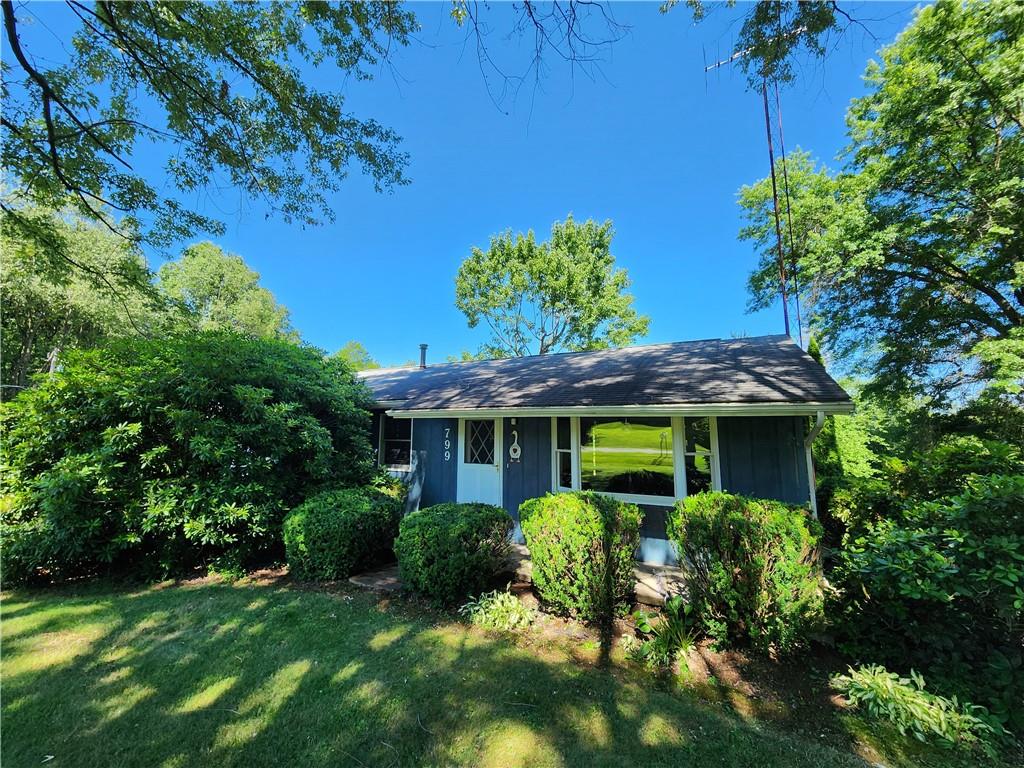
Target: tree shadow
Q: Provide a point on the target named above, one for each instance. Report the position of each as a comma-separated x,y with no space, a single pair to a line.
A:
263,674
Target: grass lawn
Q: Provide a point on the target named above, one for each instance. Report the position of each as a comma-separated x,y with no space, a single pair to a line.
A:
264,672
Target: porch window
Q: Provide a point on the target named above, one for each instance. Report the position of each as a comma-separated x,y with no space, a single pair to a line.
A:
563,453
630,456
396,443
698,455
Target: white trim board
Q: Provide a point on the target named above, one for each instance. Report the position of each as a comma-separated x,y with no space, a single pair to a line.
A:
692,409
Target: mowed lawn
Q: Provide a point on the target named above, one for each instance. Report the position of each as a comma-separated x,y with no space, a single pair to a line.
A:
264,672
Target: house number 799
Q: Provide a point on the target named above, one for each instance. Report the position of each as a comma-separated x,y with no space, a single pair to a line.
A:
447,444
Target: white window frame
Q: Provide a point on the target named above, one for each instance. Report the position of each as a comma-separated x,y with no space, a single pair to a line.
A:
574,460
678,461
380,446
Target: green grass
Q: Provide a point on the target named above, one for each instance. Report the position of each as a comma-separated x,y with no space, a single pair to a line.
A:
266,673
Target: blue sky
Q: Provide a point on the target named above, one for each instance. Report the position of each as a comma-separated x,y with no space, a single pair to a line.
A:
651,143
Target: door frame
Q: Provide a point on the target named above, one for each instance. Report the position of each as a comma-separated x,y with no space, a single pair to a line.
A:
499,455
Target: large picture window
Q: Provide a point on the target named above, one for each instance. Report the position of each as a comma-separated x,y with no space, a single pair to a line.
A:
627,456
396,442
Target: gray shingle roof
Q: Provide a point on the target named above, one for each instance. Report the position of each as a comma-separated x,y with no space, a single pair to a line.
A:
753,370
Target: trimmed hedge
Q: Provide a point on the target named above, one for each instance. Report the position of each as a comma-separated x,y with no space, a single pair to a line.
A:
449,551
751,566
335,533
582,545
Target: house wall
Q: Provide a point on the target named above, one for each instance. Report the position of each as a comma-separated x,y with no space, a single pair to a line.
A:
529,477
763,456
433,477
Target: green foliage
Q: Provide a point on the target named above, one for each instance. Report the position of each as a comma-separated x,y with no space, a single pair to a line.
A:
356,357
448,551
50,308
150,454
912,257
232,100
752,573
906,704
221,292
773,34
582,546
932,571
338,532
498,610
537,298
669,636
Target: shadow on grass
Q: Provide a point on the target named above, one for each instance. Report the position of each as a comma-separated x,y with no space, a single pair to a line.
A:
263,674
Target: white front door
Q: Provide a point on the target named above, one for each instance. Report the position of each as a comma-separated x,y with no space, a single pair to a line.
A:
479,476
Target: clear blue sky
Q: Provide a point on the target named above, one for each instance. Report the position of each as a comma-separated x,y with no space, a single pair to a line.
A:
651,143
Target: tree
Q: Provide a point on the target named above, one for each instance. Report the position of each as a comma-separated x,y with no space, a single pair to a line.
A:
161,454
47,311
536,298
220,291
775,32
356,356
226,79
918,267
807,211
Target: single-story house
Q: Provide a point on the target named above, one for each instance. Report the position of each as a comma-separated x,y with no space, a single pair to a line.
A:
648,424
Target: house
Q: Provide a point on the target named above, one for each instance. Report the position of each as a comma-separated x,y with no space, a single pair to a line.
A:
648,424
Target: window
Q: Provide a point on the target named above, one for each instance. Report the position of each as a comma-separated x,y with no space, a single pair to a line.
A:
480,441
396,442
627,456
698,457
563,452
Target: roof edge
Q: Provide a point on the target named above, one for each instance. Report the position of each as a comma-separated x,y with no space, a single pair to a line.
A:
681,409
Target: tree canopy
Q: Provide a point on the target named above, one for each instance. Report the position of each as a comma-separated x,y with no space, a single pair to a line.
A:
216,87
356,356
47,312
221,292
913,257
536,298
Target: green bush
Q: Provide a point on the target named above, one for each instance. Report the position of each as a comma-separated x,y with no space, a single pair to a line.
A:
497,610
752,570
582,546
906,704
336,533
449,551
941,585
159,455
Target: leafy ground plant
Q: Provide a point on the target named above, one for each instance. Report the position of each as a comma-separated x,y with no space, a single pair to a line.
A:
668,637
500,610
905,703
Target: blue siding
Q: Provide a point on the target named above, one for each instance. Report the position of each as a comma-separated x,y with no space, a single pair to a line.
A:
763,456
531,475
433,476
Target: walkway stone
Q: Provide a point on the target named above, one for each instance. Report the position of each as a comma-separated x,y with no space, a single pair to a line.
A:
654,583
380,580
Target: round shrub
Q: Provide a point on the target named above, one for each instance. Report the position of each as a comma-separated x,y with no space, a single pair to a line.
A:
336,533
751,568
449,551
582,546
158,455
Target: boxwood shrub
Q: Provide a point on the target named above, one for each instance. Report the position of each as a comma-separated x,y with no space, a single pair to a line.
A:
338,532
752,570
582,546
449,551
